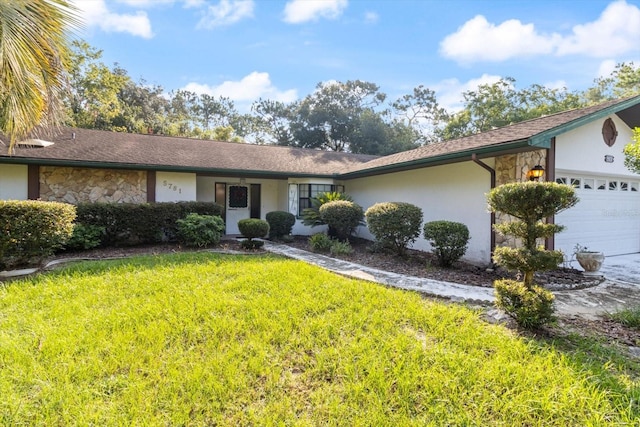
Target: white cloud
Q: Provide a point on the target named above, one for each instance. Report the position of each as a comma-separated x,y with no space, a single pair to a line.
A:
250,88
299,11
615,32
556,84
226,12
371,17
449,91
95,14
146,4
480,40
606,67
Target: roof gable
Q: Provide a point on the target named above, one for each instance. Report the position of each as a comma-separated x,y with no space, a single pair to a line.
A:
519,136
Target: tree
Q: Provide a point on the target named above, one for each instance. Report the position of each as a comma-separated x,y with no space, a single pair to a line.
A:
420,111
623,81
34,58
93,98
329,118
530,203
272,124
500,104
632,152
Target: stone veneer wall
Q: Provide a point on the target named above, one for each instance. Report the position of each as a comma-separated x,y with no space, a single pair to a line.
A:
514,168
76,185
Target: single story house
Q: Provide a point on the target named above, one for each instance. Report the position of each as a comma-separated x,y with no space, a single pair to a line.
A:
448,180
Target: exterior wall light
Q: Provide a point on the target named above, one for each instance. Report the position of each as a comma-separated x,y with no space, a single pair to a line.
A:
535,173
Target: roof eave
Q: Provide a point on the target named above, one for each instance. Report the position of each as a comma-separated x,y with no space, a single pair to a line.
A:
544,138
458,156
163,168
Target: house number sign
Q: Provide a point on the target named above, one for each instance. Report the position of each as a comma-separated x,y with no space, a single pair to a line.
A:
172,186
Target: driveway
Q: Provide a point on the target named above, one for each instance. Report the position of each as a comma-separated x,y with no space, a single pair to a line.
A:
622,268
620,289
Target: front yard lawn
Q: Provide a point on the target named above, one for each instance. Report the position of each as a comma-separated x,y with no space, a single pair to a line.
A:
209,339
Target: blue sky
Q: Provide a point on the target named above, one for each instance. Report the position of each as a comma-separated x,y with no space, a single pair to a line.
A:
247,49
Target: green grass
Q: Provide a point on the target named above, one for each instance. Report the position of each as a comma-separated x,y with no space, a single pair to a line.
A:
629,317
206,339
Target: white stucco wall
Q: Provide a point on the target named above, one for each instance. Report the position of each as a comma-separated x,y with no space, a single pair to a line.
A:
454,192
175,187
14,182
584,149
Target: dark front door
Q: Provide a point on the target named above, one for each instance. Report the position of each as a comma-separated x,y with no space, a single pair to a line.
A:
255,201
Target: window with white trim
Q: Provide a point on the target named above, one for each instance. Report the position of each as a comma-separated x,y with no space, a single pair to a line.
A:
308,191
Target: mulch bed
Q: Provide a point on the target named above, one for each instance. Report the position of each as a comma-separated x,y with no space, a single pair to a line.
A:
425,265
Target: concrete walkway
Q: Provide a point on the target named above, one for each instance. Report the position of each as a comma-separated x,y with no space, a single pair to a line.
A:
610,296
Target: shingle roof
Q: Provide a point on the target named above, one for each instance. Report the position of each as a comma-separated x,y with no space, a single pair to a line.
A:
531,132
114,149
102,148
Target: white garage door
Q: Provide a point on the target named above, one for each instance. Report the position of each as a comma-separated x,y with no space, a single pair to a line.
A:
606,219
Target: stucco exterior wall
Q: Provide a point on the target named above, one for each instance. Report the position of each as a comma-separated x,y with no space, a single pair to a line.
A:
454,192
14,182
75,185
175,187
583,149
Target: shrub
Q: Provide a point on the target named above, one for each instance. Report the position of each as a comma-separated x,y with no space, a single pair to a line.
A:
85,237
253,228
31,230
449,240
531,307
311,216
340,248
200,230
342,216
280,223
394,224
320,242
131,224
530,203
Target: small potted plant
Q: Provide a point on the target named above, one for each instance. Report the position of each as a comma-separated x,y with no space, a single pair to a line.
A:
590,261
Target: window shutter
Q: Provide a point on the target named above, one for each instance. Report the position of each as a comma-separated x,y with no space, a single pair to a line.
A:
293,199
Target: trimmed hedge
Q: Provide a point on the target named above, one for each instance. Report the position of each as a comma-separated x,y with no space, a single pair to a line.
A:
342,216
31,230
531,307
252,228
449,240
128,224
200,230
394,224
280,223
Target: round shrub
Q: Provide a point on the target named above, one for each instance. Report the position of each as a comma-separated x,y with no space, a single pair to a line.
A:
253,228
320,242
31,230
342,216
200,230
530,307
448,239
280,223
394,224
